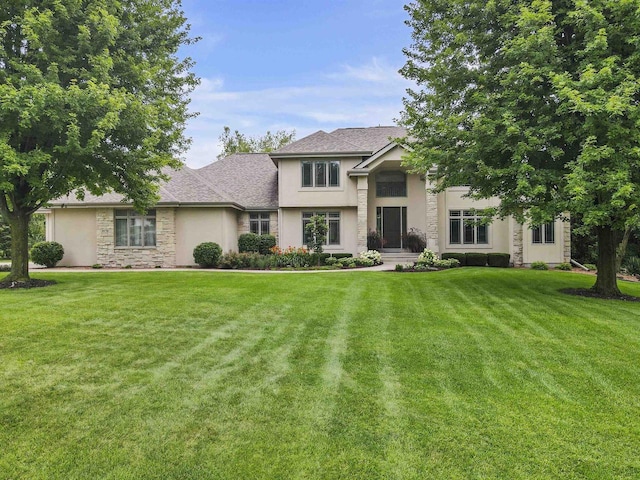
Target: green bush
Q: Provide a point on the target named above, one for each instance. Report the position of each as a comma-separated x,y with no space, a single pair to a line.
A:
342,255
476,259
267,242
248,242
5,267
563,266
207,254
97,266
47,253
461,257
632,265
447,263
313,258
500,260
331,261
539,266
414,240
364,262
591,266
399,267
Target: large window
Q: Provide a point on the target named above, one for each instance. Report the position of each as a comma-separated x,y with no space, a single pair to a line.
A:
333,224
391,184
135,230
259,223
465,228
544,233
321,173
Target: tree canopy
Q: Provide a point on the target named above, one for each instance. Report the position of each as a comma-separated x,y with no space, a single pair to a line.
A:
236,142
93,98
535,102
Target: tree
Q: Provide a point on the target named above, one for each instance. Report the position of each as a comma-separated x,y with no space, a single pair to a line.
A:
237,142
535,102
94,98
316,231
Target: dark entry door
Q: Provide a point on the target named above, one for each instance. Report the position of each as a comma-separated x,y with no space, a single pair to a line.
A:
392,227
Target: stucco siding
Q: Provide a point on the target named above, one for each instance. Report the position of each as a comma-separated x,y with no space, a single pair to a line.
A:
75,230
551,253
291,229
197,225
292,194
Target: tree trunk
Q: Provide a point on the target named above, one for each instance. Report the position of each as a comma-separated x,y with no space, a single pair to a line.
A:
606,282
19,224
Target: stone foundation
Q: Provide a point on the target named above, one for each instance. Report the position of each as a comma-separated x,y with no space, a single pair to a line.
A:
162,255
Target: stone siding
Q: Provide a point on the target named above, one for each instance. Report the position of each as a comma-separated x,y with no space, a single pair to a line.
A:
243,224
432,218
162,255
363,194
566,238
518,246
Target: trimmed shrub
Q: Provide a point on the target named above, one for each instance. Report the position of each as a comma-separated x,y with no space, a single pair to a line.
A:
475,259
399,267
591,266
563,266
342,255
249,242
500,260
313,258
267,242
539,266
364,262
47,253
331,261
207,254
461,257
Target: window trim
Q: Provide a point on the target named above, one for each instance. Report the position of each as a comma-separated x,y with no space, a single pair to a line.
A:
329,216
471,214
543,230
260,218
131,214
327,165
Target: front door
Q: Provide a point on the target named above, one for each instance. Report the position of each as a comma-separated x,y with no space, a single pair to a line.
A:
393,226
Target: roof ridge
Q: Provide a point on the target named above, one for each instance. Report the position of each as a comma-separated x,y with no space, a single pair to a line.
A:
345,141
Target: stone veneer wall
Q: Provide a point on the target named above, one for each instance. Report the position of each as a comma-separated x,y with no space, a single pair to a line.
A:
432,219
566,227
363,194
518,246
162,255
243,224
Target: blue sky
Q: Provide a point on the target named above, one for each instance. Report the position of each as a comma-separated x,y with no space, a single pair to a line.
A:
305,65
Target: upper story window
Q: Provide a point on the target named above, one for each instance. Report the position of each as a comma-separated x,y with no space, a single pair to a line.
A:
464,228
321,173
259,223
135,230
544,233
391,184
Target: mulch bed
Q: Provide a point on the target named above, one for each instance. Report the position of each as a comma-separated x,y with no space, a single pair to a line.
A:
587,292
33,283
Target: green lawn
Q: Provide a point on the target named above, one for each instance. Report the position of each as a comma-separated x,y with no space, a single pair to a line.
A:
468,373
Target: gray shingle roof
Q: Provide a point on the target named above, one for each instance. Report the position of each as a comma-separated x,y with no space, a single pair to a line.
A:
249,179
320,142
184,186
371,139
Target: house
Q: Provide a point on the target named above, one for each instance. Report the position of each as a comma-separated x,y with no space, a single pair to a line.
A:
352,176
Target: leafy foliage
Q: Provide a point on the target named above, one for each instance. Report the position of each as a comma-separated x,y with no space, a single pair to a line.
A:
94,98
415,240
47,253
316,231
539,265
236,142
498,260
534,102
207,254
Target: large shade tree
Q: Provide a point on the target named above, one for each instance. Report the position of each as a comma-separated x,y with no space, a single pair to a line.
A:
93,97
535,102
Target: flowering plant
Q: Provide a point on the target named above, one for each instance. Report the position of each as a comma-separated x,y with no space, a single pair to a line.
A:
372,255
427,257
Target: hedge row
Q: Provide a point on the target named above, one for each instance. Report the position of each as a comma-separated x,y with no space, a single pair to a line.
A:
252,242
474,259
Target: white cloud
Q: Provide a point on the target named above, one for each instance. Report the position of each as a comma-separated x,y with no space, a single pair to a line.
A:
361,95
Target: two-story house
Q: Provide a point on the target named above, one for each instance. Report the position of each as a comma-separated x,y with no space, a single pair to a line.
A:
352,176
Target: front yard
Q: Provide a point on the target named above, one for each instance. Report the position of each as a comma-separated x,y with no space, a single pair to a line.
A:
467,373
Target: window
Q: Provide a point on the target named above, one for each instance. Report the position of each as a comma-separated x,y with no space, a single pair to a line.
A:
391,184
259,223
135,230
333,224
464,228
321,173
544,233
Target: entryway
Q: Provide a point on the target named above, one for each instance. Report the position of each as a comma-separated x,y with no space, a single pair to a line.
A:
392,225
